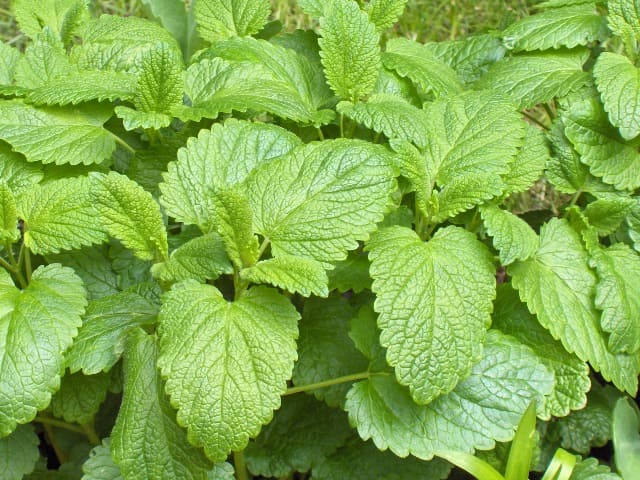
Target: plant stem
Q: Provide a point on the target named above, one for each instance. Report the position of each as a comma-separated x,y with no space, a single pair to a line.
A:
549,112
535,120
263,247
320,134
62,458
240,465
90,432
342,125
47,421
27,263
123,144
334,381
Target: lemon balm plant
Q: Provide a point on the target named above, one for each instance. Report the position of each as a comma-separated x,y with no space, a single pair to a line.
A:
231,251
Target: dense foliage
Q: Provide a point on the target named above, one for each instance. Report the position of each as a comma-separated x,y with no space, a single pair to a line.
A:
232,251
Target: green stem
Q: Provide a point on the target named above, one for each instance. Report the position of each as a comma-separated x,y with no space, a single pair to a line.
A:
549,112
263,247
13,266
90,432
47,421
320,134
123,144
62,458
342,125
27,264
535,120
334,381
574,199
240,465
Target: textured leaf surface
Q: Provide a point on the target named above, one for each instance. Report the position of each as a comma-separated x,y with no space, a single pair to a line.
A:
16,172
363,461
93,267
384,13
601,146
590,469
246,349
558,27
233,222
147,442
302,433
430,294
228,18
61,16
220,157
221,471
19,453
8,216
201,258
132,119
351,273
606,214
472,415
47,311
118,43
618,296
571,374
100,465
623,22
529,164
558,286
9,57
536,78
417,63
130,214
590,426
160,81
57,135
325,350
291,196
293,274
512,237
59,215
391,115
626,437
80,396
349,50
44,60
618,82
105,327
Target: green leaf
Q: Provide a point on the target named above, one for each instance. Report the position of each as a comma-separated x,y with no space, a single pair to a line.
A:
363,461
572,375
350,50
512,237
36,326
472,464
202,258
221,471
623,22
247,348
430,294
80,396
325,350
472,415
466,177
291,196
133,119
140,229
93,266
529,163
606,214
146,427
535,78
160,81
218,158
44,60
618,82
173,16
351,273
558,286
293,274
618,296
118,43
391,115
589,469
522,447
290,67
590,426
233,217
302,434
217,85
559,27
218,19
600,144
59,215
384,13
16,172
9,57
100,465
19,453
61,16
105,327
422,67
60,135
626,437
8,215
469,57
